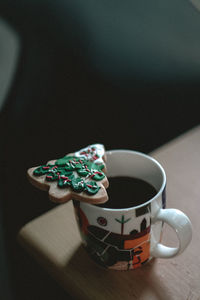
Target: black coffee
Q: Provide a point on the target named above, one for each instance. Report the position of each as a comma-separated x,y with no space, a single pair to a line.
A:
124,192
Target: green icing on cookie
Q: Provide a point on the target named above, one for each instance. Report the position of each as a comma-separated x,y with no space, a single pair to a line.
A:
92,187
78,185
65,181
64,169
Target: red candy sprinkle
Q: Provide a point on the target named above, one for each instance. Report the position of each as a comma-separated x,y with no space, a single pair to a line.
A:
89,185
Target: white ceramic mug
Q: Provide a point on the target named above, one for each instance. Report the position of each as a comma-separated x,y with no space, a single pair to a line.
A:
140,239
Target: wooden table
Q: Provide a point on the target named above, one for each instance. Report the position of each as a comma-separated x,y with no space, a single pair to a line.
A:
53,239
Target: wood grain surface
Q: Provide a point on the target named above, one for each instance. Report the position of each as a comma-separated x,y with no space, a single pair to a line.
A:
53,239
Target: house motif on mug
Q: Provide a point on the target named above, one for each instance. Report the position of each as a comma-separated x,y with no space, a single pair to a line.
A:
127,248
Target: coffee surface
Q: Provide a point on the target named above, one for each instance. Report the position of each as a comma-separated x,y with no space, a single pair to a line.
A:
124,192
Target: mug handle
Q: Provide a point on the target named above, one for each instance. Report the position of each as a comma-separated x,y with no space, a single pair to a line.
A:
183,228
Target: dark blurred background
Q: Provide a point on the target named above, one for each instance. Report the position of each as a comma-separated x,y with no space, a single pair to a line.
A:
122,73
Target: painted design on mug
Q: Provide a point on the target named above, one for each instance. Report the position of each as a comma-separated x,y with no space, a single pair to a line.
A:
116,250
164,198
122,221
102,221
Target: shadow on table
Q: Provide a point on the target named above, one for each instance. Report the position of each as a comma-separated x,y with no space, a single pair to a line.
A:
91,279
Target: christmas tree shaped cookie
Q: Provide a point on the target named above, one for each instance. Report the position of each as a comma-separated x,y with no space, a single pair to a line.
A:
79,176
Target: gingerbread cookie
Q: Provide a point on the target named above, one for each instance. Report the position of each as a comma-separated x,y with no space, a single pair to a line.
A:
79,176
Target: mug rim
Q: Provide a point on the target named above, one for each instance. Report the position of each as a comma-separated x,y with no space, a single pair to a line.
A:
160,191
